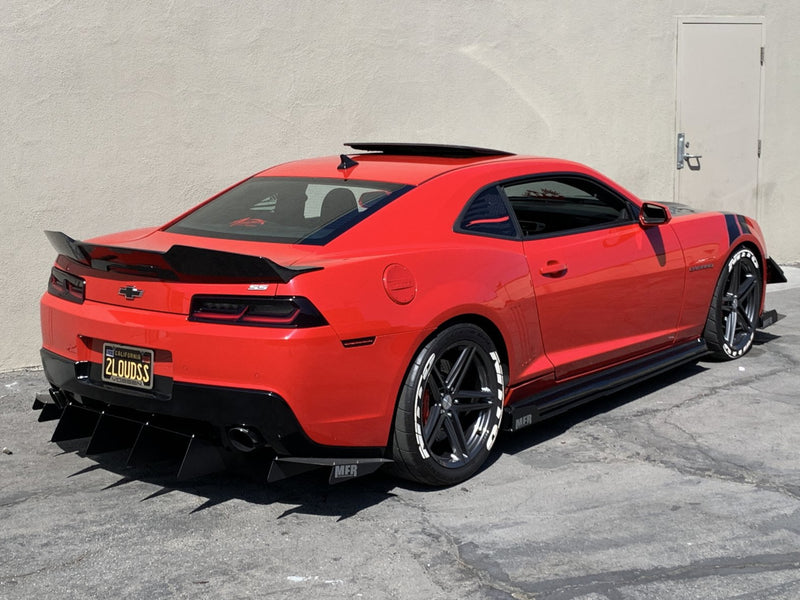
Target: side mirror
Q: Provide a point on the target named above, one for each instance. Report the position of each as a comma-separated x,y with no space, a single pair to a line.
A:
653,214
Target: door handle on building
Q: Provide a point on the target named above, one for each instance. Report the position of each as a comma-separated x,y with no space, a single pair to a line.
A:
682,156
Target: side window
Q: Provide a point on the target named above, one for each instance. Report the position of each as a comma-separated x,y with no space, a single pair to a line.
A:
563,203
488,214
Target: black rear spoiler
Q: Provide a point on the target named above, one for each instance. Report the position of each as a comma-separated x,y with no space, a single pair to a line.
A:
179,263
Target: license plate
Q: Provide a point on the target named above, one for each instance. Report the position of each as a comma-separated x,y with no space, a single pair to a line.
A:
127,365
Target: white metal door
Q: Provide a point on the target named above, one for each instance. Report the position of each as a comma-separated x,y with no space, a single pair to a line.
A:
719,83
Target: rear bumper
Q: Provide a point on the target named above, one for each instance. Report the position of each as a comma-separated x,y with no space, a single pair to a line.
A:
337,395
203,410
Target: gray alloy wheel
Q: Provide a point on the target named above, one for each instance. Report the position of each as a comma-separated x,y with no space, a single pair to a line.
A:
450,407
733,316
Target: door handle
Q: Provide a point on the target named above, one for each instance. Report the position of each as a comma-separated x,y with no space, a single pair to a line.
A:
682,156
553,268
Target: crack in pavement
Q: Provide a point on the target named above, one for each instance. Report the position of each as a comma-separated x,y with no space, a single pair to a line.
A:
477,567
688,457
472,566
610,582
69,563
682,452
727,469
770,592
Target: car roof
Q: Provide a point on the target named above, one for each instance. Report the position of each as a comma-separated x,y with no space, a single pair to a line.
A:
410,164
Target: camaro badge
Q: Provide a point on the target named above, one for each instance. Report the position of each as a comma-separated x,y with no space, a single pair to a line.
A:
131,292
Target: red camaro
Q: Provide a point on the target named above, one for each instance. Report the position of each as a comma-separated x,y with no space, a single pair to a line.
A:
398,306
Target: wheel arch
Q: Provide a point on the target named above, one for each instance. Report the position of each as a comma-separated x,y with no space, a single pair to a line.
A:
484,323
726,341
750,245
418,460
753,245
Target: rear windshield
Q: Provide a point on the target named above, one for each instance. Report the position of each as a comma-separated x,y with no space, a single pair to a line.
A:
288,210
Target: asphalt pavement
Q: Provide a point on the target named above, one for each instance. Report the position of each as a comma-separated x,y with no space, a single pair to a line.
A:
687,486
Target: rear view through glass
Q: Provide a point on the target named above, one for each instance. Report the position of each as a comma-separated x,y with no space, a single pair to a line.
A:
289,210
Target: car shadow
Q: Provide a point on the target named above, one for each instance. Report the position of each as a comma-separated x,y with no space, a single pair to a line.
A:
551,428
311,494
761,338
307,493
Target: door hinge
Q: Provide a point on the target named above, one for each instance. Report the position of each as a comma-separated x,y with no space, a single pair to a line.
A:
759,148
762,56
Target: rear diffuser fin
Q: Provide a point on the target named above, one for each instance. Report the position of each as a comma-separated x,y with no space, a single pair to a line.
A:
155,445
50,412
76,422
112,434
201,458
193,455
146,444
49,409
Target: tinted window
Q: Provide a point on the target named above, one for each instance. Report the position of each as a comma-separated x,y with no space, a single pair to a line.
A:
488,214
552,205
290,210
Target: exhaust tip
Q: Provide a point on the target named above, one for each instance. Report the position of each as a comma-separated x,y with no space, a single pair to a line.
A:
245,439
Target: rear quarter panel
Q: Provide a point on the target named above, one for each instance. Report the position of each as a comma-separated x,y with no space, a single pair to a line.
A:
456,275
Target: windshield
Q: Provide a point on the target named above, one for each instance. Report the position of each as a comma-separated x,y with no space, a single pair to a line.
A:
288,210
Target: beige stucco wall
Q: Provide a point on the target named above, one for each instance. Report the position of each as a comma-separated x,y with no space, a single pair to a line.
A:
116,115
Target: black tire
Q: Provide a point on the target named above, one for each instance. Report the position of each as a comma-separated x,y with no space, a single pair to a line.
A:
450,408
733,316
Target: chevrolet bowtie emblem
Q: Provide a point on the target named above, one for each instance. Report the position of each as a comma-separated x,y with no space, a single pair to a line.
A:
130,292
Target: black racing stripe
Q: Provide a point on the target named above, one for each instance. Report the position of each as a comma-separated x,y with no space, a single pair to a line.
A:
743,224
733,227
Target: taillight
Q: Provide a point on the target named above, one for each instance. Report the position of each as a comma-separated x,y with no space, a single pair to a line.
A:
66,286
289,311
